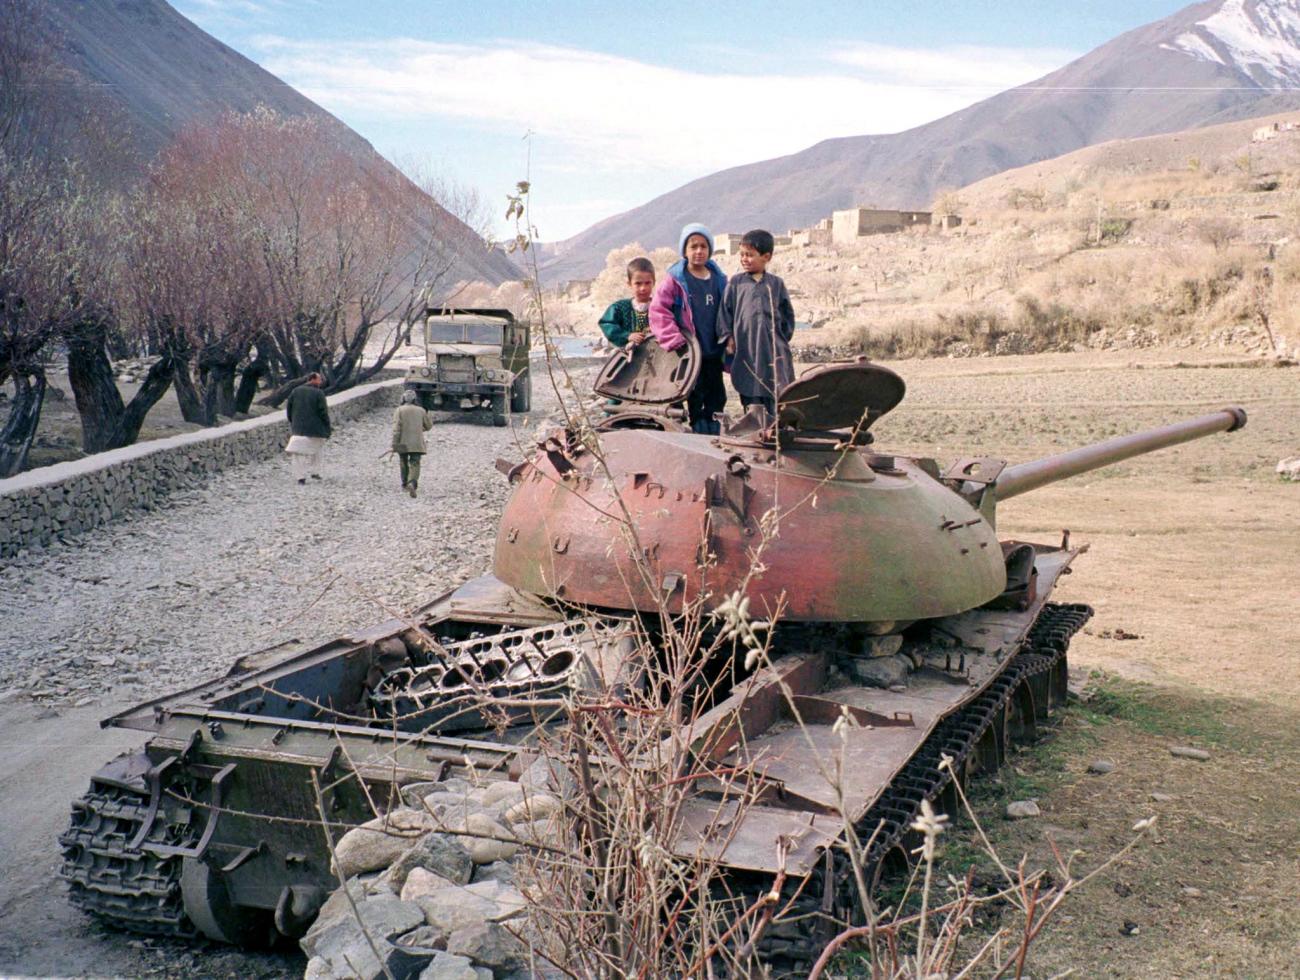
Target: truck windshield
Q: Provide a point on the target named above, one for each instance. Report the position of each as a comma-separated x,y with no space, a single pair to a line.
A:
462,332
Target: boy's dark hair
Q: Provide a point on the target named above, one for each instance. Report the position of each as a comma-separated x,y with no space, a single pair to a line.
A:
759,240
639,264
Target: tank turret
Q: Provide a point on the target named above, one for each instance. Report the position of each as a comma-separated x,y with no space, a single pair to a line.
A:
802,513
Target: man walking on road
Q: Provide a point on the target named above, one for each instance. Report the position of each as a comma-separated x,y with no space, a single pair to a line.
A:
309,425
410,423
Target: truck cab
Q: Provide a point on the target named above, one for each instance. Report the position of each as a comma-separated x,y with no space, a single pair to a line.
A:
474,360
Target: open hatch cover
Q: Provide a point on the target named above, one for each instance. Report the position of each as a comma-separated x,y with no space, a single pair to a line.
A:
649,375
841,395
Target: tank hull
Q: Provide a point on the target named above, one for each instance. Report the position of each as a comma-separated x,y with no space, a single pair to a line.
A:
859,538
217,826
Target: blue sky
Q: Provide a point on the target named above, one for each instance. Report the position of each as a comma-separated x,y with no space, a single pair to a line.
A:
628,101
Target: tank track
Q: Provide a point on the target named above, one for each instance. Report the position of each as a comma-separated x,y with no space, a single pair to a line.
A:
127,889
790,948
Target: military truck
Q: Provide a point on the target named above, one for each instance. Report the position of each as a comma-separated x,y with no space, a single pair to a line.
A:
474,360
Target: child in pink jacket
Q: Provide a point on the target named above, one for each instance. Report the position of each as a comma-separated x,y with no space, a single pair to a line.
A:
687,301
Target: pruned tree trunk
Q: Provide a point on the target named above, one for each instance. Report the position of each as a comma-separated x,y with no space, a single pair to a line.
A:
248,380
94,389
276,398
187,394
154,387
20,428
106,421
222,378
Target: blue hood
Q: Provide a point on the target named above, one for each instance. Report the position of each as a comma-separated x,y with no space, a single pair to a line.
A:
694,229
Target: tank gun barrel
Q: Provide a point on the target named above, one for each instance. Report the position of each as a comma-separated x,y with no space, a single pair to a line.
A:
1022,478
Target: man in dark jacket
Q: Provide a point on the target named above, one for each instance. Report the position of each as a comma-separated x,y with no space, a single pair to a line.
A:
309,427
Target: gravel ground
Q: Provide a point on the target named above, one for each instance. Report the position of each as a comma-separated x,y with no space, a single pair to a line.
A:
161,601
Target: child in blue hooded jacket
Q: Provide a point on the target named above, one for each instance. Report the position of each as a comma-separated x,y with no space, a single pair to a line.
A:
687,301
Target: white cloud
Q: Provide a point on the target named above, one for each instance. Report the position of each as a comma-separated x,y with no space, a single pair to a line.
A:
603,111
976,71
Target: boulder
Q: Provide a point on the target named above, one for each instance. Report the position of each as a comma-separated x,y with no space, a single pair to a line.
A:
1022,809
546,832
451,909
489,944
449,966
1289,468
378,843
342,937
421,882
879,671
442,854
882,646
337,906
495,793
536,806
502,871
446,806
489,841
505,896
549,776
413,793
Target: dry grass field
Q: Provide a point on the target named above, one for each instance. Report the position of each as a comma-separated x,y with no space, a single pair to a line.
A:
1193,552
1186,240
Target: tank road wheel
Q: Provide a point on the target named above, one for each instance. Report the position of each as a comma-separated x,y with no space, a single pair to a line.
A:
521,394
1060,689
894,864
1022,718
1040,686
500,411
209,906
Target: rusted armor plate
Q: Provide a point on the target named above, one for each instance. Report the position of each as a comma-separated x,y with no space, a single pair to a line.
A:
649,375
839,536
842,395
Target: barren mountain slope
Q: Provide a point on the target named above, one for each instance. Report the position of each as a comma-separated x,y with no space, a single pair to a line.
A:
1211,62
148,73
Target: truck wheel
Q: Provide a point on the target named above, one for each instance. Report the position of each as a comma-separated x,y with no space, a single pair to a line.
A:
521,395
499,411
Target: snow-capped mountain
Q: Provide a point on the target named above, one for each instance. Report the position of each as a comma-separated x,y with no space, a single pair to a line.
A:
1212,62
1260,38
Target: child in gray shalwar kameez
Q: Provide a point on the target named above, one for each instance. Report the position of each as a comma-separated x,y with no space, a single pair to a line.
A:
756,321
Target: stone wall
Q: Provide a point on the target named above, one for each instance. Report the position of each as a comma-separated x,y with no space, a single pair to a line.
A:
56,501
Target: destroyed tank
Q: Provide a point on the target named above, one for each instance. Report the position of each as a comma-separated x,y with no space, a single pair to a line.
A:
890,598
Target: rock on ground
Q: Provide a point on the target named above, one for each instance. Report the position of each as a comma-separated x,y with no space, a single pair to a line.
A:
1021,809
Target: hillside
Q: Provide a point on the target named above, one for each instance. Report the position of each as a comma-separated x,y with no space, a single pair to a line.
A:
1211,62
1180,240
143,73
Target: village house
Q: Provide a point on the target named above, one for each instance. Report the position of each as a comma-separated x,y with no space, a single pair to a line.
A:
854,223
727,243
1271,132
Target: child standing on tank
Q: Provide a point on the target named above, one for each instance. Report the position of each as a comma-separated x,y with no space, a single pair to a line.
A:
687,302
627,321
755,324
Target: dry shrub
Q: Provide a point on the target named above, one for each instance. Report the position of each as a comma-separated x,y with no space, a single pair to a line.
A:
611,283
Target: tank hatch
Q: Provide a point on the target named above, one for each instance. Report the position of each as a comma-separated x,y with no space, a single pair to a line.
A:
842,395
649,375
